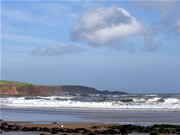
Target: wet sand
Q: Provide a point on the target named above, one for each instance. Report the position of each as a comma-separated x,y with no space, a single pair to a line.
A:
107,117
65,125
87,126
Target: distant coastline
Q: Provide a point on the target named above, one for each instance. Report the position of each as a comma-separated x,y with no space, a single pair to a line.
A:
12,88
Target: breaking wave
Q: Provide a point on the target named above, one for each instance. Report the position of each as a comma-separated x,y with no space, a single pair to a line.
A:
98,102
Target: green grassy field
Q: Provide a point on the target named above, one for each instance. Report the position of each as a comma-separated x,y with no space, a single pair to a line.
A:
3,82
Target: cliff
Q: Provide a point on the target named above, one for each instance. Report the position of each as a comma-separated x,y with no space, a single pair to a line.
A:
11,88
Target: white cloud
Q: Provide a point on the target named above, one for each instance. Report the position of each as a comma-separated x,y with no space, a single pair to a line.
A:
104,25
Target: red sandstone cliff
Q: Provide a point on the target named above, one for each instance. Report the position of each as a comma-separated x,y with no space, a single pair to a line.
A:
38,90
8,90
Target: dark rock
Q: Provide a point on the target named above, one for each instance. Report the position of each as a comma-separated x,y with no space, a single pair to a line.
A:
86,132
54,132
25,129
91,133
46,129
95,127
10,126
41,129
79,130
124,133
4,124
111,131
153,133
33,129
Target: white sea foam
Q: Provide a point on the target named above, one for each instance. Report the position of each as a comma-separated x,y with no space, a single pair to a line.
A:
155,103
172,101
151,95
147,100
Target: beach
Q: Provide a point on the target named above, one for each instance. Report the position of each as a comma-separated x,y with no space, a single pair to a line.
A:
47,115
39,122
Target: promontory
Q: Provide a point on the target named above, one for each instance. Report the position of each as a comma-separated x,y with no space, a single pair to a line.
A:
12,88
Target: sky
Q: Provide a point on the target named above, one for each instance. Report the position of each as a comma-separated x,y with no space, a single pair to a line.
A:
131,46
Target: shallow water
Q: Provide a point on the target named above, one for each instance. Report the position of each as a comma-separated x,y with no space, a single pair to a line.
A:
71,116
35,116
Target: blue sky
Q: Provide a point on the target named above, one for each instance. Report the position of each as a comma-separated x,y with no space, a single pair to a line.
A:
130,46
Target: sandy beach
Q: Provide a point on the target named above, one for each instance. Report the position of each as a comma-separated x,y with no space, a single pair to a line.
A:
59,125
74,126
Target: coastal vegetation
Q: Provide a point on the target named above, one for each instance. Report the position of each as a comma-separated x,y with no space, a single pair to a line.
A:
6,82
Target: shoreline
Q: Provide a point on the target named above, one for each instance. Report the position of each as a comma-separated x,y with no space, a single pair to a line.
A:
106,117
88,128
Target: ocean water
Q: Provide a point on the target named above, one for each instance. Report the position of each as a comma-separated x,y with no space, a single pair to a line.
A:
156,102
143,109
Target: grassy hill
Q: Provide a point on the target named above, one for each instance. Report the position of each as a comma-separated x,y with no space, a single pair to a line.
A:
5,82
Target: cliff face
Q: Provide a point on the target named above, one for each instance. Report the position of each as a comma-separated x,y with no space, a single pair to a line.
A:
8,90
22,89
34,90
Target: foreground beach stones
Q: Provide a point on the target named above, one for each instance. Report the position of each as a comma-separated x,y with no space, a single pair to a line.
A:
108,130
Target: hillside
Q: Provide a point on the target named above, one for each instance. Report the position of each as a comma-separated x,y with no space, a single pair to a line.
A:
4,82
24,89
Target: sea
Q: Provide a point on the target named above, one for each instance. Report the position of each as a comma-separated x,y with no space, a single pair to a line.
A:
142,109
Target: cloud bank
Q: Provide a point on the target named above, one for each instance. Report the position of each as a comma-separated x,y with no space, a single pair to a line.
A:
104,25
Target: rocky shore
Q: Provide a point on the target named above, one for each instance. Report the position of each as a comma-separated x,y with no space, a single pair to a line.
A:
87,129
